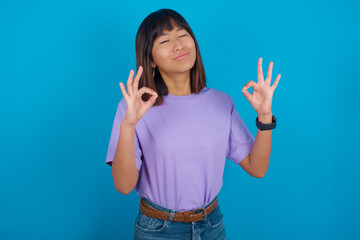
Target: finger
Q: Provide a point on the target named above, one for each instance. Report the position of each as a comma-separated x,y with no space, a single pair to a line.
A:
123,91
249,84
269,73
260,71
147,90
129,83
150,102
276,82
137,77
247,95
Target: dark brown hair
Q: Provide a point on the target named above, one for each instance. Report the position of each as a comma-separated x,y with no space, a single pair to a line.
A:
151,27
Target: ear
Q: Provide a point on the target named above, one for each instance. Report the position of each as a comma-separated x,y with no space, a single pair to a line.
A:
153,64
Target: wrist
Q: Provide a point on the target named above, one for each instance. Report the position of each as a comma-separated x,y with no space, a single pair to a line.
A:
125,124
265,118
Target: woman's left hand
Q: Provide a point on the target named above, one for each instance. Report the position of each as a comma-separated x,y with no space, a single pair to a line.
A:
261,98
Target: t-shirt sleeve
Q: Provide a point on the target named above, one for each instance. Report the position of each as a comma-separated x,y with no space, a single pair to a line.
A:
115,133
241,140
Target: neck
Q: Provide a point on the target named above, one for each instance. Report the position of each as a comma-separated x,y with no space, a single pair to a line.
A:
177,83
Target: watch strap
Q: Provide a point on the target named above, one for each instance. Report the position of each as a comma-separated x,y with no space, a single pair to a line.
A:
266,126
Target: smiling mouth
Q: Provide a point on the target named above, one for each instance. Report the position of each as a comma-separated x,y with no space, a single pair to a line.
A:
181,56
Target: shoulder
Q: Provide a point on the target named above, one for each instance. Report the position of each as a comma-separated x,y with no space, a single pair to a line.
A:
220,96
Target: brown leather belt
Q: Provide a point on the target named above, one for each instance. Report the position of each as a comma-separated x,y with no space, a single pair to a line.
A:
186,216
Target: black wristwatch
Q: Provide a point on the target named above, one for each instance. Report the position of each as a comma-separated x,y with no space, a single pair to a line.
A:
266,126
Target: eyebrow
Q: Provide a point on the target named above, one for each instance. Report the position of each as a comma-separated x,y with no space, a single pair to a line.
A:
177,30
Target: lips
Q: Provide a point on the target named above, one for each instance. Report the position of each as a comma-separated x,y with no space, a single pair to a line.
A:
181,56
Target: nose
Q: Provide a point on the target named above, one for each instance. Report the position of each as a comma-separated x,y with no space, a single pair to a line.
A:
177,45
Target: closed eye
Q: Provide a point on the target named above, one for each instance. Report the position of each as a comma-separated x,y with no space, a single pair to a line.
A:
184,35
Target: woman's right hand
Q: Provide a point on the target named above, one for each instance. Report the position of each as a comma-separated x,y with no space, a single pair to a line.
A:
136,107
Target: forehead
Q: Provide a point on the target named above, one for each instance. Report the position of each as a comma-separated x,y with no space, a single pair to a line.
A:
167,24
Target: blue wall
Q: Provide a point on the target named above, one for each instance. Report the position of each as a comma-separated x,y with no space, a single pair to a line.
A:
60,67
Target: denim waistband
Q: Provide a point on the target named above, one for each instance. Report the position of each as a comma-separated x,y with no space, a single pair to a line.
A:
154,205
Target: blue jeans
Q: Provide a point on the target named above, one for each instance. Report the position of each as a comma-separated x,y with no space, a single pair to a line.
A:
212,227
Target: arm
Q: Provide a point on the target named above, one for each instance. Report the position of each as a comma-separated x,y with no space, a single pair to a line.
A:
261,100
124,171
257,163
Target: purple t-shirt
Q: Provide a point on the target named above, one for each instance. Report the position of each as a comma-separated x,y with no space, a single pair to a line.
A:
181,147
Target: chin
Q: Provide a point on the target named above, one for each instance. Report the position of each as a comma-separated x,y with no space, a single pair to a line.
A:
183,67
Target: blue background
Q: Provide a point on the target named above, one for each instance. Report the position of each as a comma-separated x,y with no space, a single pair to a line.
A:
60,67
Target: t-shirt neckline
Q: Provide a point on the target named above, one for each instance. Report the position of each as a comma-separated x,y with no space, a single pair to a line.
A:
190,96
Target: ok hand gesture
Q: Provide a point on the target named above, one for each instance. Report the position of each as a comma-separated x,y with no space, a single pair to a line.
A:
261,98
136,107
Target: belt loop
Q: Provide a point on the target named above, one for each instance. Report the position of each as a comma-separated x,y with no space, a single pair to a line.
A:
171,215
205,214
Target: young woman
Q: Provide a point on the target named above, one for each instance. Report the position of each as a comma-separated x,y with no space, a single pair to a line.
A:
172,134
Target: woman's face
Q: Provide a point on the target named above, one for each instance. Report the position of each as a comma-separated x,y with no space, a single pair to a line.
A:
174,51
